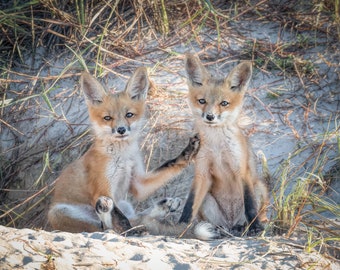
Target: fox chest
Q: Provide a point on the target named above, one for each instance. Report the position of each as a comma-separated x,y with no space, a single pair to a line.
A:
225,156
119,172
223,168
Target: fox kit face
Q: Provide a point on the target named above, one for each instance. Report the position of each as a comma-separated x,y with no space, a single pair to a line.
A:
116,117
214,101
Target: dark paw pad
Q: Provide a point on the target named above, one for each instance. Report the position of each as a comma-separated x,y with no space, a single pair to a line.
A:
104,205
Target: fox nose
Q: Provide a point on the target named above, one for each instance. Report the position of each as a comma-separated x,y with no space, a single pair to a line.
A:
210,116
121,130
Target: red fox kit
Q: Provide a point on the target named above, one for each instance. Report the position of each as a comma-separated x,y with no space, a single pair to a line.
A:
113,165
226,190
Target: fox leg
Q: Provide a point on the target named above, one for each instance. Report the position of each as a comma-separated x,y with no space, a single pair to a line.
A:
163,208
211,212
110,215
199,190
142,188
251,209
155,222
74,218
153,216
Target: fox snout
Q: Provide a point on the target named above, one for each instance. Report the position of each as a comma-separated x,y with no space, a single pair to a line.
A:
210,118
121,131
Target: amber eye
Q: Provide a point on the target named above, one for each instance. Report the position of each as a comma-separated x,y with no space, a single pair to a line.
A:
224,103
107,118
129,115
202,101
234,87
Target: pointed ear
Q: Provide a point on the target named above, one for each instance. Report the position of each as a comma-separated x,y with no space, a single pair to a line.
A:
197,73
93,90
240,76
138,85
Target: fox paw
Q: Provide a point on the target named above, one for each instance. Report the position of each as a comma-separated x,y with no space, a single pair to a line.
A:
104,204
170,204
192,148
255,228
237,230
110,216
165,207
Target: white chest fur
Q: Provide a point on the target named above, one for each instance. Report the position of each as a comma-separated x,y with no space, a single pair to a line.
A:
223,145
124,165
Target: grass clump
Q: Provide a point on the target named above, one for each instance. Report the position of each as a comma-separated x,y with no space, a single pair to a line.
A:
283,57
306,205
112,37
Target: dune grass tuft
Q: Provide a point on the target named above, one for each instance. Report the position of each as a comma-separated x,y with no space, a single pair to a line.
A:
110,38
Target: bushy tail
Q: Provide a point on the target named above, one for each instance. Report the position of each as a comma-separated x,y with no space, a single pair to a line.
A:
206,231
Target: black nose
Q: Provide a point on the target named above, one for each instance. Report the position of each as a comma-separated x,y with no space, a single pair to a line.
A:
121,130
210,117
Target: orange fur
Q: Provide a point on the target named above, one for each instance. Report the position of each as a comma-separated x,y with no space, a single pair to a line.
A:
226,190
113,165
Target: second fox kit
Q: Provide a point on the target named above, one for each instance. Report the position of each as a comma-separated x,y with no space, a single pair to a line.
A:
113,165
226,190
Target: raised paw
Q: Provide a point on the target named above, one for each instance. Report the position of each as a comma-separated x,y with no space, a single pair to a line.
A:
192,148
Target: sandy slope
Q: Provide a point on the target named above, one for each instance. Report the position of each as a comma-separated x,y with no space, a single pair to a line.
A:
29,249
286,115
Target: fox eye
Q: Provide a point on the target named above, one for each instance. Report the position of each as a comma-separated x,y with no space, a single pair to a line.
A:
129,115
202,101
107,118
234,87
224,103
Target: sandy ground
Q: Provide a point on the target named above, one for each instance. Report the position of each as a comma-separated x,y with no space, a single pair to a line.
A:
28,249
289,119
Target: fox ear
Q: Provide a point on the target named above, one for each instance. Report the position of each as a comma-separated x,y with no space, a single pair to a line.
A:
138,85
197,73
93,90
240,76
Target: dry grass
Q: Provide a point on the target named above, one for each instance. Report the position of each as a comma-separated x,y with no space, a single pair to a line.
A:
111,38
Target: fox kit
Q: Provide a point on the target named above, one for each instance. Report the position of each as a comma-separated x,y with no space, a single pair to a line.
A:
226,190
113,165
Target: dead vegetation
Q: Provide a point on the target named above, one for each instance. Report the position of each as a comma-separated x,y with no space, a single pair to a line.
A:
42,129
